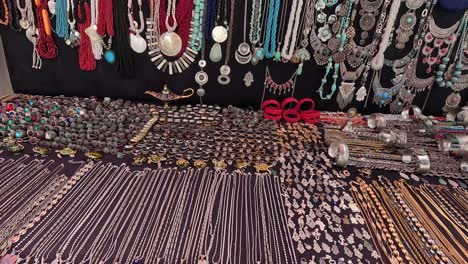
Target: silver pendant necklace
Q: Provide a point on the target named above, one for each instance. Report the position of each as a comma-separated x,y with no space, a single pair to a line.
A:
137,42
243,53
155,46
219,34
225,70
347,87
170,41
407,23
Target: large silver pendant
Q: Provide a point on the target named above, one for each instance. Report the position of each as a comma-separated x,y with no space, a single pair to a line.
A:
219,34
243,54
170,43
137,43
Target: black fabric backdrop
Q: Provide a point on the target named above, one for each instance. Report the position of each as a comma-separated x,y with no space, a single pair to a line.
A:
63,76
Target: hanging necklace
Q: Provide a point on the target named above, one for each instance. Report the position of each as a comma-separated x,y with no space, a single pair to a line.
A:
347,88
368,14
277,88
402,66
85,51
255,23
210,18
46,47
243,53
61,22
407,23
271,29
440,80
383,96
454,72
201,77
27,22
302,54
378,61
219,33
157,56
258,52
340,55
91,31
225,70
197,37
170,41
292,30
74,37
281,30
437,40
371,49
137,42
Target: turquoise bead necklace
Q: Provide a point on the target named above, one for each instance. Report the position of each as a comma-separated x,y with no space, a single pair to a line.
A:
197,33
271,29
345,23
458,62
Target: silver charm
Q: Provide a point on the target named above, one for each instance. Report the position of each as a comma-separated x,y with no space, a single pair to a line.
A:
345,94
361,94
224,79
243,54
216,53
248,79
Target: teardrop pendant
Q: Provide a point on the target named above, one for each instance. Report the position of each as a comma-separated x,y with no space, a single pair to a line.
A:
215,53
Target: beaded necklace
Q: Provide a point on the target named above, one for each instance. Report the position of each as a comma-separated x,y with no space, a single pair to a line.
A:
46,47
271,29
440,80
457,82
337,57
210,18
258,52
437,40
255,23
292,30
85,51
61,23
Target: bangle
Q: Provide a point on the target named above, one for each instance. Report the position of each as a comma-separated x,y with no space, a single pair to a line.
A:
339,151
424,164
291,115
288,101
407,110
376,121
